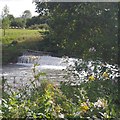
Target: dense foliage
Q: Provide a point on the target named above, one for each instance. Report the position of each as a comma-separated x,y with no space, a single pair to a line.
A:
90,89
17,23
95,99
85,30
37,20
26,14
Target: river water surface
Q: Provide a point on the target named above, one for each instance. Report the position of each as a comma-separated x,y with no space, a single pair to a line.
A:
20,72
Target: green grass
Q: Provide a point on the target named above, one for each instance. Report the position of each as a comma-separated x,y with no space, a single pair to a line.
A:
19,35
26,39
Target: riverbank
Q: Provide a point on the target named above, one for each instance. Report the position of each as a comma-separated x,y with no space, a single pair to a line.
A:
16,41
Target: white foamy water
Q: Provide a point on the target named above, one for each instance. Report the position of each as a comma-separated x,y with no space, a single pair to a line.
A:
52,66
22,71
44,62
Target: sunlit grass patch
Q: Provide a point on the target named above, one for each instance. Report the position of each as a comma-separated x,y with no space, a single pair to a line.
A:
19,35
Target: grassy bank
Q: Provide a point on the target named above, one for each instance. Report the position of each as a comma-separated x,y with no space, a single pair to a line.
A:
16,41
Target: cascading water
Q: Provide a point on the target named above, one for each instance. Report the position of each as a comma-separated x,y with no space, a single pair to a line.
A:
52,66
44,62
21,72
29,59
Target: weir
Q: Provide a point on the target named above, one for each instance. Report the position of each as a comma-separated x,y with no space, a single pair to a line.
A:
21,72
43,59
29,59
37,53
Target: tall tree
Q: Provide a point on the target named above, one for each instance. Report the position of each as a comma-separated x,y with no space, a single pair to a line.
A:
18,22
37,20
82,29
11,17
5,19
5,11
27,14
0,23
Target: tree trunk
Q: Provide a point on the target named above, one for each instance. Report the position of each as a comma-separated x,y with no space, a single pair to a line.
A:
4,32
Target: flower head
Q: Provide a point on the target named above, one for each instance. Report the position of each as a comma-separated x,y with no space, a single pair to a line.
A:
84,107
91,78
105,75
101,103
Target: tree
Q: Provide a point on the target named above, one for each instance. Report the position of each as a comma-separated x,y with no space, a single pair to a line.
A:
5,19
5,11
5,24
77,28
18,22
27,14
11,17
36,20
0,23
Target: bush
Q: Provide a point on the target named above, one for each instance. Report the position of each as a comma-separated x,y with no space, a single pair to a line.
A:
95,99
39,26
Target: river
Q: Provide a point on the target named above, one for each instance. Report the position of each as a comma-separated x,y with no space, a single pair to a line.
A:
20,73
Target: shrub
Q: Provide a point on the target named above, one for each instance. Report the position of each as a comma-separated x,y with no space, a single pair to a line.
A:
95,99
39,26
